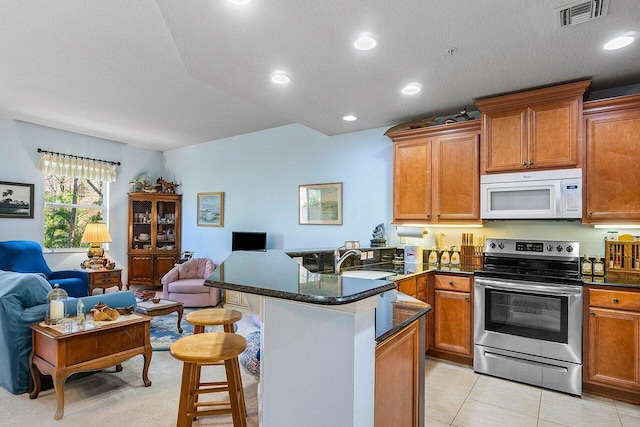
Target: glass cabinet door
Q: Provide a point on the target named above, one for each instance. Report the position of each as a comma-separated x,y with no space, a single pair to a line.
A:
166,225
142,232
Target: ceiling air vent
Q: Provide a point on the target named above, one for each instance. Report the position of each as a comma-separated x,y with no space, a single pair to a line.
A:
583,11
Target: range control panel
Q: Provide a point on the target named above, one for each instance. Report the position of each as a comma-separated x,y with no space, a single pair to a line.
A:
523,247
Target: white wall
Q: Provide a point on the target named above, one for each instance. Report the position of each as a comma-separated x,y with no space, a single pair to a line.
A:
19,142
260,174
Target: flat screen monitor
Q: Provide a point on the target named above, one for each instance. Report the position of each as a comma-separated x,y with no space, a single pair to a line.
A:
248,241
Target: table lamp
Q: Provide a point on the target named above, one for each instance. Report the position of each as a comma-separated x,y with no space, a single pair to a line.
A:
96,233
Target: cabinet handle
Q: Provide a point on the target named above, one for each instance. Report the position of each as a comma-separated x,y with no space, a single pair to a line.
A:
451,282
524,163
592,314
616,300
466,298
590,213
428,215
530,163
438,214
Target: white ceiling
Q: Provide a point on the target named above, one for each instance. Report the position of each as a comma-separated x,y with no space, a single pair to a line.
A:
170,73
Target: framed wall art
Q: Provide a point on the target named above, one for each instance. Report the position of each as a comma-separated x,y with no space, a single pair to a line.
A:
320,204
211,209
17,200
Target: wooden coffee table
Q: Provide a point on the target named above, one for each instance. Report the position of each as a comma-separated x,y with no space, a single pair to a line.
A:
162,308
100,345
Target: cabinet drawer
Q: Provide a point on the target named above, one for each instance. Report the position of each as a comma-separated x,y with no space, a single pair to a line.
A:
453,283
103,280
622,300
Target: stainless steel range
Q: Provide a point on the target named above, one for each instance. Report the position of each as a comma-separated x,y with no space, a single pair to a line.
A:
528,313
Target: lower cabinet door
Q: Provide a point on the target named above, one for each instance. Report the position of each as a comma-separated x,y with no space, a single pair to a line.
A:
163,263
397,379
141,269
614,348
453,322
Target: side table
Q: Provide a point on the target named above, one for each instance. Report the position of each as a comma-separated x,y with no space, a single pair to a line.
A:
98,346
103,279
162,308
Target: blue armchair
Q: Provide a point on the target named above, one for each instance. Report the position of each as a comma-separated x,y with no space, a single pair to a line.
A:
24,256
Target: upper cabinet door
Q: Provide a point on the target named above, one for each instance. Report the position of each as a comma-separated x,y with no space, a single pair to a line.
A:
412,180
456,177
613,157
506,134
554,132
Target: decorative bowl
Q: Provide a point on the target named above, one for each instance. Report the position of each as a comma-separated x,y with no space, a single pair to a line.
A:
155,300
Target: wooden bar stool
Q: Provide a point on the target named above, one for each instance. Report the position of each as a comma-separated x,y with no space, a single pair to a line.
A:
202,349
211,317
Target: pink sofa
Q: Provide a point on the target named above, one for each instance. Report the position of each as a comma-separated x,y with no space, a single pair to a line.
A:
185,283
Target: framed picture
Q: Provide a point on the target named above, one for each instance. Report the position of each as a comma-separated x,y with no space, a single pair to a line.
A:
211,209
17,200
321,203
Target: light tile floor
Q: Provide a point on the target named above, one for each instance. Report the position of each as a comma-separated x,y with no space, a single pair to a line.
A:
457,396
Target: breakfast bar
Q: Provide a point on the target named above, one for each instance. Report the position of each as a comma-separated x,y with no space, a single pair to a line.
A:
319,336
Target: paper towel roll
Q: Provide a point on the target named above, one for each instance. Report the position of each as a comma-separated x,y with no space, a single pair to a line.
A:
418,232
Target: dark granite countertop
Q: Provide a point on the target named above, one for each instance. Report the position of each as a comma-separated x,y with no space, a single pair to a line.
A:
612,283
396,310
405,270
275,274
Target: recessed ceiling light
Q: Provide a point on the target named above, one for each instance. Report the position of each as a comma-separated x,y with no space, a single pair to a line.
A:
365,43
411,89
240,2
280,78
618,43
349,118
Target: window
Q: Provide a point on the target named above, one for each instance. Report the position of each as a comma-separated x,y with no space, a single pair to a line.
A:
69,205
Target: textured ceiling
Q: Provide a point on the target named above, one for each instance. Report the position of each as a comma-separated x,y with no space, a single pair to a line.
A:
170,73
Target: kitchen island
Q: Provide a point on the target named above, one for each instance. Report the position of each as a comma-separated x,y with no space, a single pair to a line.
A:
319,336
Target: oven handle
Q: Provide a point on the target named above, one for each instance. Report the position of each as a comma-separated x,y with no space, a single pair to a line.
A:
561,290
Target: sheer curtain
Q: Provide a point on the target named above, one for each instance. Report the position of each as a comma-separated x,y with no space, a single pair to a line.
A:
54,164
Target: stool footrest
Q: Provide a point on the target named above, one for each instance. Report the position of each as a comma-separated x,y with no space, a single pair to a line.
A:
212,390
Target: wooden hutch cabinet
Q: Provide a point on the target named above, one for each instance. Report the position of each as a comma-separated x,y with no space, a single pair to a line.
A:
533,130
154,236
436,176
613,155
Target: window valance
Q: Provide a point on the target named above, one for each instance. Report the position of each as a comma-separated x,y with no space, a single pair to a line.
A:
76,166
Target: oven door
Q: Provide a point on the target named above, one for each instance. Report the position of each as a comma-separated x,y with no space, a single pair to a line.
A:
529,317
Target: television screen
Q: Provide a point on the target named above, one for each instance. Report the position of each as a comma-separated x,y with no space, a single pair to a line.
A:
248,241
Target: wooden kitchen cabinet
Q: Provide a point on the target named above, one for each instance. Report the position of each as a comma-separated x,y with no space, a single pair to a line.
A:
612,343
613,155
399,379
451,334
154,236
415,286
533,130
436,174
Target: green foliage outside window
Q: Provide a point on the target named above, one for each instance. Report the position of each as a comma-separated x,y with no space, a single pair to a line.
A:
69,205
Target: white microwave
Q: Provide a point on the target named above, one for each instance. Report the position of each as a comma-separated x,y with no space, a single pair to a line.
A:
554,194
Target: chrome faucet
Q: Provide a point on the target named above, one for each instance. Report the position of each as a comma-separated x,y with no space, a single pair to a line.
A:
338,260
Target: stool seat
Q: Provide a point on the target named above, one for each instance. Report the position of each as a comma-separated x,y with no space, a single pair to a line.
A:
213,316
208,347
205,349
